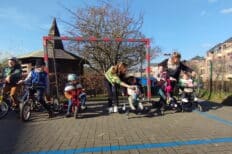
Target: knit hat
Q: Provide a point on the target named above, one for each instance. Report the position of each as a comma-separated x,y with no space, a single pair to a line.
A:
39,63
12,58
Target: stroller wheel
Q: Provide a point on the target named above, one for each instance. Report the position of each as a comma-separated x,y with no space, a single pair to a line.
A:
145,110
179,108
160,112
199,108
189,106
127,112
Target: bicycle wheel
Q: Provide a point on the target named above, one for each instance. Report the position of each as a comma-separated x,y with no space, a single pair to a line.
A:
4,108
25,110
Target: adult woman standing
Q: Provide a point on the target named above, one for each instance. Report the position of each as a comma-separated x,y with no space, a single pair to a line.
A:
113,78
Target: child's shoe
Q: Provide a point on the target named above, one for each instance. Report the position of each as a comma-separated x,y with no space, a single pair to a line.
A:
195,99
115,109
110,110
83,107
138,113
141,106
68,115
124,107
14,106
184,100
50,114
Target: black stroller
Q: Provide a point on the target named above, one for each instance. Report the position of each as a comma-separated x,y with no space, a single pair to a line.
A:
188,99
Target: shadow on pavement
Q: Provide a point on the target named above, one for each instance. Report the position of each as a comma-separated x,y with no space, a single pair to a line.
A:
11,129
205,106
95,109
227,101
209,105
42,116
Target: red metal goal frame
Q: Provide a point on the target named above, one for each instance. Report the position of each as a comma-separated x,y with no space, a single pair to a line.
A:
146,42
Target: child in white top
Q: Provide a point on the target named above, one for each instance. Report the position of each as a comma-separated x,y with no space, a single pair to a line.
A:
134,94
187,85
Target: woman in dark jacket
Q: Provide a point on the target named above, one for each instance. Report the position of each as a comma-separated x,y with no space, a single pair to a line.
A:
173,66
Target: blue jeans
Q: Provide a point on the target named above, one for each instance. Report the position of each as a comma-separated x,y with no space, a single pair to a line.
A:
83,100
69,106
112,93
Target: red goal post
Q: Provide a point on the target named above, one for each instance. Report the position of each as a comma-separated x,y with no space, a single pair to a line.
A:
146,42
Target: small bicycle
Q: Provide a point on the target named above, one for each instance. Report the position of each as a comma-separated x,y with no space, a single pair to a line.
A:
75,108
5,102
29,102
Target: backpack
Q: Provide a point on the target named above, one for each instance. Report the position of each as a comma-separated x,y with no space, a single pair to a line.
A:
38,78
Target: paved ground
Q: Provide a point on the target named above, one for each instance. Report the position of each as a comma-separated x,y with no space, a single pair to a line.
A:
188,133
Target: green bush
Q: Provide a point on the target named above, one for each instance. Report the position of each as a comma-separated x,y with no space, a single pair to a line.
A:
216,96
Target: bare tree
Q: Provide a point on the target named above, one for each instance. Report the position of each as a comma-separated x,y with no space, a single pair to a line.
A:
106,21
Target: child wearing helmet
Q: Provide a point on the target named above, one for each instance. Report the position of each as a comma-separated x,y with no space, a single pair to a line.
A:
39,78
72,91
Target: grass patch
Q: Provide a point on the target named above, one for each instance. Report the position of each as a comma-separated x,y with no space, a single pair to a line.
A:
217,97
105,98
102,98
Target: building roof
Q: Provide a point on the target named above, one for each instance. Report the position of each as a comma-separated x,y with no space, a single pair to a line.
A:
197,58
213,48
219,44
54,31
228,40
59,54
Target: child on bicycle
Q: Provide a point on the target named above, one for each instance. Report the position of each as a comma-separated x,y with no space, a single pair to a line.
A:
10,76
39,78
72,91
134,94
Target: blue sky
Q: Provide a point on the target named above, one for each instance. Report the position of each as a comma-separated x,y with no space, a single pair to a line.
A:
190,26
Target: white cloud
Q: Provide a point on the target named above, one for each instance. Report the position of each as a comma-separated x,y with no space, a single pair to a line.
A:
212,1
226,11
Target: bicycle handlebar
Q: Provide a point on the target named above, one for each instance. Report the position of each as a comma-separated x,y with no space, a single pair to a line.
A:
31,85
